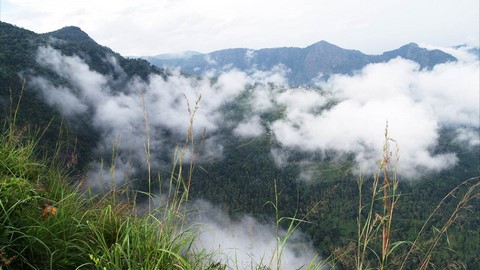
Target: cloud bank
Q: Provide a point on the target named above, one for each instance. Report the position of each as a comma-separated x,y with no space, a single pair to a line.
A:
346,114
416,103
121,114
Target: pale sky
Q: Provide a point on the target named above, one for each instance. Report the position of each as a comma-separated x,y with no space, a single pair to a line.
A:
151,27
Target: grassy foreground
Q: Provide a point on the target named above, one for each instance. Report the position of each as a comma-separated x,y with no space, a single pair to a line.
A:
46,223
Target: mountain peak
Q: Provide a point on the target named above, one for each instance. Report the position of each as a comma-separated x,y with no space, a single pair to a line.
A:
323,44
411,45
70,28
72,33
411,48
423,56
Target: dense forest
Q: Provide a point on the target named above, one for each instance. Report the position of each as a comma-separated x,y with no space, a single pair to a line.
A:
322,189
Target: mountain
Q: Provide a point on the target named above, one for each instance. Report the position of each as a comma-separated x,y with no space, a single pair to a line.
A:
424,57
18,50
74,41
304,64
72,33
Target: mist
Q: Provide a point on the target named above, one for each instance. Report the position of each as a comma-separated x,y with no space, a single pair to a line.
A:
344,114
246,243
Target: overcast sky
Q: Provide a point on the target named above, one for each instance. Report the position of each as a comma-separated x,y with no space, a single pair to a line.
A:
150,27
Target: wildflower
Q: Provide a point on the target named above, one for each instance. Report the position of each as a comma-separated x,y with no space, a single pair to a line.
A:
48,210
5,260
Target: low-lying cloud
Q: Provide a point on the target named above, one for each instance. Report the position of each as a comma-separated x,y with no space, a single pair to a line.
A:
246,243
121,114
346,114
250,128
416,103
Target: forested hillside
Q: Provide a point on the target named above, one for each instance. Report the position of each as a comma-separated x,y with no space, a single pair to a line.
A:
18,49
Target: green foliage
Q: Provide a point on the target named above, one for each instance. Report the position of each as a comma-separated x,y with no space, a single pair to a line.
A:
48,224
28,237
241,183
138,242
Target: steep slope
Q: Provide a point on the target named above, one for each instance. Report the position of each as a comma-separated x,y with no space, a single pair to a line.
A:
72,40
18,51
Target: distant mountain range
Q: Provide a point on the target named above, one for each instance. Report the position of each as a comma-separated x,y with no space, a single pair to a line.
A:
304,64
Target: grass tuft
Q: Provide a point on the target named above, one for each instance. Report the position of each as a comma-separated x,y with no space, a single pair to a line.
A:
46,223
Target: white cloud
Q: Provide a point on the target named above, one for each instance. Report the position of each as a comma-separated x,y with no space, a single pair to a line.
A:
280,157
210,60
118,110
246,243
60,97
452,91
302,100
275,76
380,81
469,136
249,55
416,103
347,116
262,99
462,53
89,84
250,128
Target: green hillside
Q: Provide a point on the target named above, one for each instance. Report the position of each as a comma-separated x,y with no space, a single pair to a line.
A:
18,48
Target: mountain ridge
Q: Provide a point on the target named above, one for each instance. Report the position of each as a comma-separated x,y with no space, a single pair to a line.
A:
71,33
305,64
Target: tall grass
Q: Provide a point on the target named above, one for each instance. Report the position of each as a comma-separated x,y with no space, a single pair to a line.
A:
369,222
159,238
374,247
282,237
31,237
426,249
46,223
